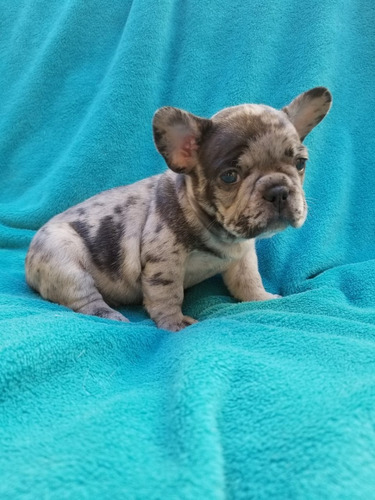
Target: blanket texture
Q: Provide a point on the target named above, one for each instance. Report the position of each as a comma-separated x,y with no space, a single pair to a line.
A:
257,400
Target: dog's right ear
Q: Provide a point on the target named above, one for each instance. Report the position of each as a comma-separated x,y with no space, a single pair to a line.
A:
309,109
178,135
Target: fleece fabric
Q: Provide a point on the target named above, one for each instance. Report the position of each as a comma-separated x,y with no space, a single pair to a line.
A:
257,400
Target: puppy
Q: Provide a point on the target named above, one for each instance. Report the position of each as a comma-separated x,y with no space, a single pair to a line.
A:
231,179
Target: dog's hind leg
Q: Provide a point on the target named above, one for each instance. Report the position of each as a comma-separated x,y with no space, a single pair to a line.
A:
57,267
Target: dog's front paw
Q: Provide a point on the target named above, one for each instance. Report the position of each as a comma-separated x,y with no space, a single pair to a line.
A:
176,323
262,296
271,296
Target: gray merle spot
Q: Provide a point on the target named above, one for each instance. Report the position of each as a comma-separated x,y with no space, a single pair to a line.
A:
289,152
318,92
105,245
132,200
319,119
156,279
171,213
154,260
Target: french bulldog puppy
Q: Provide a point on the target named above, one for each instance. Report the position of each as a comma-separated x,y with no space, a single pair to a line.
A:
231,179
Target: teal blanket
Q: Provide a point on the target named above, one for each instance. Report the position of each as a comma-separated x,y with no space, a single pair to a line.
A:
258,400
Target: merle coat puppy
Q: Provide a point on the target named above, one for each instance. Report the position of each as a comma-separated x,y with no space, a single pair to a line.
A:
231,179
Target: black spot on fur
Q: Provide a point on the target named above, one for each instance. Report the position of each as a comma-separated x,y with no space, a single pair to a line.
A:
153,259
156,279
328,98
81,211
319,119
118,209
37,245
45,258
82,229
105,245
101,312
175,168
243,223
131,201
158,228
224,145
319,92
289,152
38,248
171,213
160,141
158,134
30,259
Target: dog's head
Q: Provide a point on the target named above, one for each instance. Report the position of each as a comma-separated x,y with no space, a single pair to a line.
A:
245,166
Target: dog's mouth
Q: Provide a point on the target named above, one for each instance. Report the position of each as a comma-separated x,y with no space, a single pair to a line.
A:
268,216
268,225
245,229
265,223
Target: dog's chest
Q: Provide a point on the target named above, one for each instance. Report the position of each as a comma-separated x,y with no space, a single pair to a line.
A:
202,265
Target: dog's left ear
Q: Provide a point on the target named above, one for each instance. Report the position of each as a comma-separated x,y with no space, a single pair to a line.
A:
308,109
178,135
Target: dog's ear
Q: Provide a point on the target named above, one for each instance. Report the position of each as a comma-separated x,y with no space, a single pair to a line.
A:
178,135
308,109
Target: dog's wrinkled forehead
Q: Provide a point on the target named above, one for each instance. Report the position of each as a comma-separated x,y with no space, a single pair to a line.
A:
260,133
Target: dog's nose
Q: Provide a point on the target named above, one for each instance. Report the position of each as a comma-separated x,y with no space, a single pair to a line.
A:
276,195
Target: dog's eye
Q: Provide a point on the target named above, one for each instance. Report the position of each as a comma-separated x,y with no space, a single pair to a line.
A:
301,164
229,177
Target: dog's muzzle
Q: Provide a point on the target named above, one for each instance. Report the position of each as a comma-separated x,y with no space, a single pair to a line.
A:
277,195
